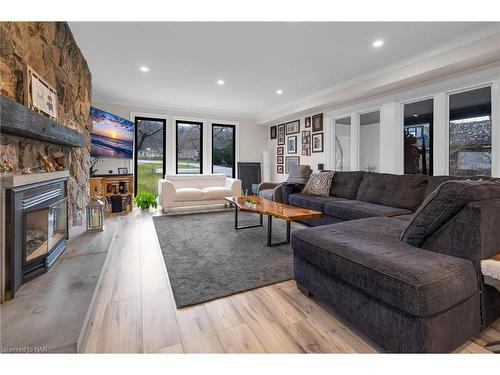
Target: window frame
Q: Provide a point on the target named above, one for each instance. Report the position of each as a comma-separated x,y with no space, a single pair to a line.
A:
164,164
234,144
448,94
190,122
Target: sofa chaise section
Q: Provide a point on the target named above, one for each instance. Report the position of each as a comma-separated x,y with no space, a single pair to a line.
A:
404,298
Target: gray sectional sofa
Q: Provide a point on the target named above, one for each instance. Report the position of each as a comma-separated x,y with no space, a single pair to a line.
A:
409,281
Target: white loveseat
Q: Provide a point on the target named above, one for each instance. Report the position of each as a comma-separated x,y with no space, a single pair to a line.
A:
196,190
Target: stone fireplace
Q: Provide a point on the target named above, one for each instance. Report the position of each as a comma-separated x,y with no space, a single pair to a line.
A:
37,226
50,49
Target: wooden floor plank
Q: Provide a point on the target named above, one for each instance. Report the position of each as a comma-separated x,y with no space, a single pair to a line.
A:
273,337
309,339
223,314
240,339
194,321
173,349
159,322
203,343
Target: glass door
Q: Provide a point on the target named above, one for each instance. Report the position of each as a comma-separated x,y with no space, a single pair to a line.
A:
150,143
343,144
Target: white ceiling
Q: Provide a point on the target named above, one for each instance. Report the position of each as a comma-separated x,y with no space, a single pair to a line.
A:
254,59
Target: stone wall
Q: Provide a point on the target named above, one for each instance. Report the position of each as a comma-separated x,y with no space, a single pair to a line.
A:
50,49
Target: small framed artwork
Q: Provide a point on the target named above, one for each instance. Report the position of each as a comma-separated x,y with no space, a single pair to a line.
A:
291,144
39,95
279,168
290,162
279,160
306,143
122,170
317,142
273,132
280,151
307,122
281,134
293,127
317,123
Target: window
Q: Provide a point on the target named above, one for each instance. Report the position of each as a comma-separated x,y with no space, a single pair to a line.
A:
470,133
189,147
418,137
149,153
369,139
343,144
223,149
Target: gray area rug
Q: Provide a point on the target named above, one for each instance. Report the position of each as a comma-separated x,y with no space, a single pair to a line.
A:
207,258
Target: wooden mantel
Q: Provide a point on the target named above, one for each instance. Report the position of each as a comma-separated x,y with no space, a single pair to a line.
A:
18,120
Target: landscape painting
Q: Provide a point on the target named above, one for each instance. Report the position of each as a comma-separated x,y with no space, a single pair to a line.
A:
112,136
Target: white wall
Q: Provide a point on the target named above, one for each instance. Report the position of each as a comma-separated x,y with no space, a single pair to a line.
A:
250,138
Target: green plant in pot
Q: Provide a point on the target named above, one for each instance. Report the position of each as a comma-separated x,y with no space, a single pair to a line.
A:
144,200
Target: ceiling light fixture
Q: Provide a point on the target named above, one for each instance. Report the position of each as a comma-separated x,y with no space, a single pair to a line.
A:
144,69
415,115
279,91
220,82
378,43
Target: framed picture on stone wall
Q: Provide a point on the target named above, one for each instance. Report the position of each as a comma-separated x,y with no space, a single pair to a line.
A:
281,134
39,95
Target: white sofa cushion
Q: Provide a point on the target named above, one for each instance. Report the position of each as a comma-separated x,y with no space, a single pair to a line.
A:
217,192
189,194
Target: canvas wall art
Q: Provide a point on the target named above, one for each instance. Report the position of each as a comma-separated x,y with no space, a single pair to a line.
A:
111,136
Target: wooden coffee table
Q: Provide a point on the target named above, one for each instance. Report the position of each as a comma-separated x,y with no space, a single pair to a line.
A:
271,209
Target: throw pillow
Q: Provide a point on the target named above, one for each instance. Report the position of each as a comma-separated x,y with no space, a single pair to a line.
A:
444,203
319,184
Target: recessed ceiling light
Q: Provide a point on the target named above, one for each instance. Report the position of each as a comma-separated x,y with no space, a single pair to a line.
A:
415,115
378,43
220,82
279,91
144,69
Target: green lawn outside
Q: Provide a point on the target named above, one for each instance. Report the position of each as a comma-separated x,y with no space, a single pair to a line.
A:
147,180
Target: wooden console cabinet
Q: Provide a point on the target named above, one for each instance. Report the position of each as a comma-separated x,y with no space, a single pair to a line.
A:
106,186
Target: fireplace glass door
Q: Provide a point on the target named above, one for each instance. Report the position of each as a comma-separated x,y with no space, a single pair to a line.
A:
36,240
58,222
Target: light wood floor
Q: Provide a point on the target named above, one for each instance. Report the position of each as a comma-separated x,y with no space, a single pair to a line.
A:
134,311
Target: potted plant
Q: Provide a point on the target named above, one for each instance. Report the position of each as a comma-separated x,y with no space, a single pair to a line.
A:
6,166
144,200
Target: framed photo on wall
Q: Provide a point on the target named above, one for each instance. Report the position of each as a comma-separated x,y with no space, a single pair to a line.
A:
306,143
307,122
317,123
273,132
291,145
279,169
279,160
293,127
317,142
280,150
290,162
38,94
281,134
